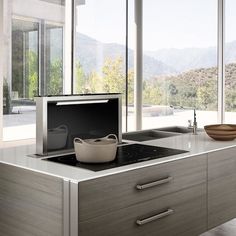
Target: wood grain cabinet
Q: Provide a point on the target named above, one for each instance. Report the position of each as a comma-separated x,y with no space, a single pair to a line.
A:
30,203
167,199
221,186
179,198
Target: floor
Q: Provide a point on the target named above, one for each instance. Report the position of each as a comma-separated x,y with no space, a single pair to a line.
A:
227,229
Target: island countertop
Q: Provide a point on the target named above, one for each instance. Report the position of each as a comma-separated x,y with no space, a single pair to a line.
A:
195,145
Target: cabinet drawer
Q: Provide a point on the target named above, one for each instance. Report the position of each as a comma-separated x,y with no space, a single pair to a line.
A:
178,214
221,187
103,195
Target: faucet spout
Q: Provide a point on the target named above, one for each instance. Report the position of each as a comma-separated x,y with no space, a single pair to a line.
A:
190,125
194,126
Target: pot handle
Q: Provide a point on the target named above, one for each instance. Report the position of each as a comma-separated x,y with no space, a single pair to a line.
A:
63,127
78,140
112,135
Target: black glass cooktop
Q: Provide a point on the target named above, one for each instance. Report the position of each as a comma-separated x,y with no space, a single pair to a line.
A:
126,154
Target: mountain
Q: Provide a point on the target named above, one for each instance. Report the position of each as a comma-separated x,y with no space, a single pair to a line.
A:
187,58
92,53
192,58
230,52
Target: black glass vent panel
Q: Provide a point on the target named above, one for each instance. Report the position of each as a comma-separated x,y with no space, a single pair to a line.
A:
126,154
88,120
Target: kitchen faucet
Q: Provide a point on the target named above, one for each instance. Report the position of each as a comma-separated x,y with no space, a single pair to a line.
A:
190,125
194,126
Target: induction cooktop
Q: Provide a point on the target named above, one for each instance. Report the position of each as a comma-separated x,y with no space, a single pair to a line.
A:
126,154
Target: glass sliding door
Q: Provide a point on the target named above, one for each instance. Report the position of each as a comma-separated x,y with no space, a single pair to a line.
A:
179,62
130,69
54,59
36,61
20,90
230,62
100,48
25,59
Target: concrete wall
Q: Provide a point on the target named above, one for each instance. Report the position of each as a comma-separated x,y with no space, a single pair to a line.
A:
39,9
1,67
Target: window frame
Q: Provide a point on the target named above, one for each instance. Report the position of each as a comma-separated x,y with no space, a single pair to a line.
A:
69,77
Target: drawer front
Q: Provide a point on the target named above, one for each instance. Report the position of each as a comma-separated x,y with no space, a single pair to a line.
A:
221,187
178,214
106,194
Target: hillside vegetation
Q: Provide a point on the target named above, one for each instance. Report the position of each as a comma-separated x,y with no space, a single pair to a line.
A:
194,88
178,77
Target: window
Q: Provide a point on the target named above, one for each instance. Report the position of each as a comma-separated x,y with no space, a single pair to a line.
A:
54,59
100,48
20,89
230,63
179,62
179,54
36,61
130,66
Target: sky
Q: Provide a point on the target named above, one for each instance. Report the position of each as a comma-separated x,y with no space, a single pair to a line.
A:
166,23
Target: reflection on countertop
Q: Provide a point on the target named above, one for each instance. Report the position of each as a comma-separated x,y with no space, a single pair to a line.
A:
195,144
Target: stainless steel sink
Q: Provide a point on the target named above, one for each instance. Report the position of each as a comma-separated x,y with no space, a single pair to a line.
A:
176,129
146,135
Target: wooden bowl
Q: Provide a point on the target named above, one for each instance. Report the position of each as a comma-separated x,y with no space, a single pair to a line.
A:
222,132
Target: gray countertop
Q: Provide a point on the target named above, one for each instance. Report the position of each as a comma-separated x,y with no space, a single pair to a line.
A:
195,144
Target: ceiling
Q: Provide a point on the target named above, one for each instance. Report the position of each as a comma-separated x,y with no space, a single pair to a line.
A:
58,2
22,25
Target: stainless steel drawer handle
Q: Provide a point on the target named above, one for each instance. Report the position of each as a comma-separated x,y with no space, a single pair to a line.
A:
153,184
155,217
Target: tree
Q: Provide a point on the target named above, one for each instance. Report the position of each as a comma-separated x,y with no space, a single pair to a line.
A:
94,83
6,98
152,93
55,83
80,78
131,86
112,79
206,94
32,85
113,75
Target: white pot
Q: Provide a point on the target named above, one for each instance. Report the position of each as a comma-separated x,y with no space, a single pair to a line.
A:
96,150
57,137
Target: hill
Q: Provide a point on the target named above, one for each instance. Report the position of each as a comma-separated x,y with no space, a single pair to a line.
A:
192,58
92,53
194,88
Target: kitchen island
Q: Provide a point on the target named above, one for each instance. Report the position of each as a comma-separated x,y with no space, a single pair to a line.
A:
184,194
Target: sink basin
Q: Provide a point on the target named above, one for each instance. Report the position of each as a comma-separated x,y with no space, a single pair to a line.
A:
147,135
177,129
165,132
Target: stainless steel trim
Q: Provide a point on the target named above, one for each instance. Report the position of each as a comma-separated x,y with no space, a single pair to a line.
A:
120,119
74,208
153,184
68,48
81,102
221,61
138,63
39,126
155,217
66,207
41,115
